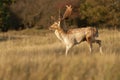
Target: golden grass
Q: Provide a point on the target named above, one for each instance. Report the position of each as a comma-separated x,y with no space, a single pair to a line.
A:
39,55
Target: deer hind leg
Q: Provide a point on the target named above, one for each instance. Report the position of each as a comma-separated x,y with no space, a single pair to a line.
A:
99,43
89,43
90,47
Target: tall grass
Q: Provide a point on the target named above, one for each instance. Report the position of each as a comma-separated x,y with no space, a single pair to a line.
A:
39,55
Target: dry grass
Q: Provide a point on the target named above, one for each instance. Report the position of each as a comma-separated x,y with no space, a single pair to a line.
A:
39,55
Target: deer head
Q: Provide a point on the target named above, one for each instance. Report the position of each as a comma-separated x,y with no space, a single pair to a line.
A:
57,23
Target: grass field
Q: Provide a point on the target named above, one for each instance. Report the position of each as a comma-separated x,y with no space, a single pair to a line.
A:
39,55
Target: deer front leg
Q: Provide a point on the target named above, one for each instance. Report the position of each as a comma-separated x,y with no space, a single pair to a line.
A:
90,47
68,48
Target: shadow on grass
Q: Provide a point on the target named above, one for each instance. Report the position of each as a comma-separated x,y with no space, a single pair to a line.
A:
6,38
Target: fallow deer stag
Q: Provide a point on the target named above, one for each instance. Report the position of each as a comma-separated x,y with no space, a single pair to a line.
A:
76,36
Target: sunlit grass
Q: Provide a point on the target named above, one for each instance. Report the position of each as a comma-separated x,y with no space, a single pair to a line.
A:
39,55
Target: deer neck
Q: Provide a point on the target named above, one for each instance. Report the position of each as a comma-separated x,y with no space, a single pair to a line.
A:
60,33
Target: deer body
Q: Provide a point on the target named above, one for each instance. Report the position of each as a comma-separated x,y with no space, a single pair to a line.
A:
76,36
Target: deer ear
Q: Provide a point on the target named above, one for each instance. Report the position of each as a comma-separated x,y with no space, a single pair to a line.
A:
52,18
67,6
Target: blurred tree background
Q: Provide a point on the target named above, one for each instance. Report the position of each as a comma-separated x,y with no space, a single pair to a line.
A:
5,14
21,14
101,13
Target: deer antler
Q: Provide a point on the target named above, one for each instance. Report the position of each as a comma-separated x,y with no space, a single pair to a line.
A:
59,15
68,12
